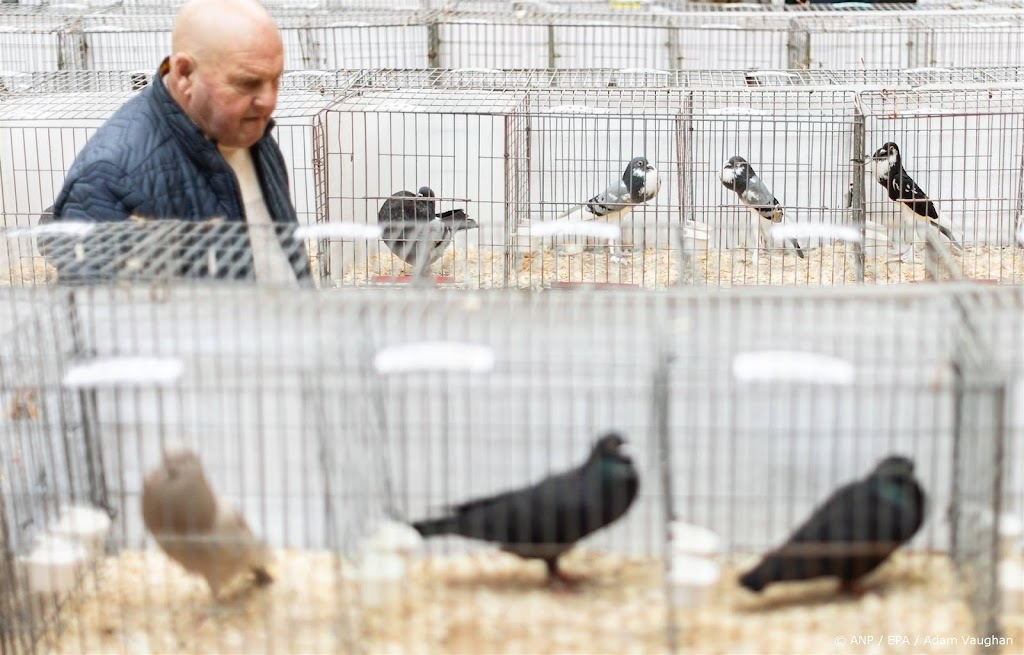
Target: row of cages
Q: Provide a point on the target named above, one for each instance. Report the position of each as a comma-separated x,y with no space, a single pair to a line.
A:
459,39
523,163
743,413
314,7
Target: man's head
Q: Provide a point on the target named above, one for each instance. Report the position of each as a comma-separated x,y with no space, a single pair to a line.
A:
226,67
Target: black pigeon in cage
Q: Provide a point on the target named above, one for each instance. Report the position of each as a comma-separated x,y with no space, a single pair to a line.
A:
415,232
738,175
852,532
545,520
887,166
195,528
639,183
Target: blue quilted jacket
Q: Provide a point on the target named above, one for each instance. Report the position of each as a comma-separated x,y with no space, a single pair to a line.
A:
150,160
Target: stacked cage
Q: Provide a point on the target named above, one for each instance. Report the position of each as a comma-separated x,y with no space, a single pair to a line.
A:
466,37
395,469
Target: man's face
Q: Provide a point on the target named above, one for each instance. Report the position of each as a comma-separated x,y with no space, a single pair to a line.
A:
233,94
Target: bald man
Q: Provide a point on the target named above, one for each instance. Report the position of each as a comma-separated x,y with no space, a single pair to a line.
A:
195,144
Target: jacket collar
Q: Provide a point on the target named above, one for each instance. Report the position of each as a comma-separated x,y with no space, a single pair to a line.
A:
178,121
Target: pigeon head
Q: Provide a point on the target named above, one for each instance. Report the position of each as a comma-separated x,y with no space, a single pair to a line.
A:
641,178
611,446
884,159
893,479
894,466
180,461
735,173
425,192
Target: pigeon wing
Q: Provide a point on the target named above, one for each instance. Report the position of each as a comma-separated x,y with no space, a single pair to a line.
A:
759,197
614,199
903,188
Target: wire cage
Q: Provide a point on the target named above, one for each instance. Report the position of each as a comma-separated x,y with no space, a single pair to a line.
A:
744,439
43,132
965,150
46,459
517,149
432,398
497,79
422,38
799,143
519,160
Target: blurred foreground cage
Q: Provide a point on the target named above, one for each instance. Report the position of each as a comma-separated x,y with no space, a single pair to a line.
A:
320,413
422,38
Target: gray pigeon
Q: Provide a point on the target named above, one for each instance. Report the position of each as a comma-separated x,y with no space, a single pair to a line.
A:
414,232
852,532
739,176
639,183
547,519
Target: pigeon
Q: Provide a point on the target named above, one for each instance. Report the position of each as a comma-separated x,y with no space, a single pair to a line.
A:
738,175
545,520
852,532
887,166
415,232
639,183
195,528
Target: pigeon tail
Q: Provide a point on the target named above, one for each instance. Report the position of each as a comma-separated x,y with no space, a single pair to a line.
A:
432,527
945,227
799,251
754,580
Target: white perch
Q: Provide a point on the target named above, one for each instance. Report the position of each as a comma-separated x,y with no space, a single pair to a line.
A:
1011,586
692,579
693,540
816,231
86,525
791,366
54,564
124,372
343,231
380,577
391,537
592,229
425,356
68,228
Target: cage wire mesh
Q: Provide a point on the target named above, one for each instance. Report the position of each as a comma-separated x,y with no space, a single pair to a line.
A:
498,79
747,439
972,173
42,134
47,462
799,142
464,38
516,154
432,398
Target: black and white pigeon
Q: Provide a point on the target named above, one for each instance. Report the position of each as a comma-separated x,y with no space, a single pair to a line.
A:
415,232
887,166
738,175
546,519
639,183
852,532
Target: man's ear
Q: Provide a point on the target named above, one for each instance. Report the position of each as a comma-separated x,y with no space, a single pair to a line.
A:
183,68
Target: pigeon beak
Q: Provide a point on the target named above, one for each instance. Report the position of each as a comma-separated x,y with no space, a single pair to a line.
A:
624,451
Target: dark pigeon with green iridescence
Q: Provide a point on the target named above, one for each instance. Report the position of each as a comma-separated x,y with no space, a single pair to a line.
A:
545,520
852,532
